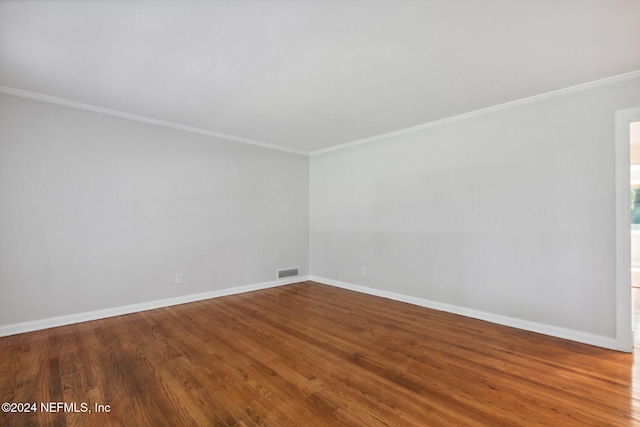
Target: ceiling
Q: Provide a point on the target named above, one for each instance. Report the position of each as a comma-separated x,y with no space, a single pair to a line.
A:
308,75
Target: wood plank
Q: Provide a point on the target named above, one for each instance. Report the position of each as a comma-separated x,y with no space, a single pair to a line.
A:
311,354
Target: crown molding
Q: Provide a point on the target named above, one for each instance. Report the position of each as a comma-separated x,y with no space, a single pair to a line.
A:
547,95
124,115
233,138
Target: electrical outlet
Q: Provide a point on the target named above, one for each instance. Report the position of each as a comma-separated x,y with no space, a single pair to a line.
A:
363,271
177,279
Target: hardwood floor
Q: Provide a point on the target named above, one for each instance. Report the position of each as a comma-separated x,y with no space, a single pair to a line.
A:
311,355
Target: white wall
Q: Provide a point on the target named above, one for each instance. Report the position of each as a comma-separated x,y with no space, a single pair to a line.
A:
99,212
509,212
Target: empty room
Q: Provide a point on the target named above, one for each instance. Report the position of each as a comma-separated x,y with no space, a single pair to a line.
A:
318,213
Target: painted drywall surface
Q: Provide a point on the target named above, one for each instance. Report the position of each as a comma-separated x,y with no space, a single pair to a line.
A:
99,212
510,212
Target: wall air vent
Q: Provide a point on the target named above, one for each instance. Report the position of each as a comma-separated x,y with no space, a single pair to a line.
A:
289,272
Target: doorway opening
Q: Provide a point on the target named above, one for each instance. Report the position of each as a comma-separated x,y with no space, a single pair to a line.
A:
624,122
634,174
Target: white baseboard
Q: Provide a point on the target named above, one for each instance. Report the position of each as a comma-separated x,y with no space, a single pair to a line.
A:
541,328
570,334
36,325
